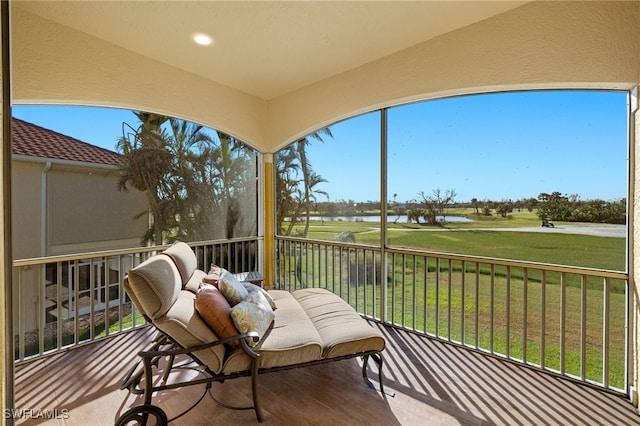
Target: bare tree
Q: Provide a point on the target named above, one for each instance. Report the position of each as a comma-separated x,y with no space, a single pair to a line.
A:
435,205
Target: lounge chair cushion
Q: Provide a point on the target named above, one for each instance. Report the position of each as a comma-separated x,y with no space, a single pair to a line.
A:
185,260
156,284
342,330
293,339
194,282
185,326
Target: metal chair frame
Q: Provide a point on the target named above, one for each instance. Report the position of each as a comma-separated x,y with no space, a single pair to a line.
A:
165,347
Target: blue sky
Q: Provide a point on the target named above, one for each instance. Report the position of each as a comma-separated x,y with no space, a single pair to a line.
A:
494,147
490,147
97,126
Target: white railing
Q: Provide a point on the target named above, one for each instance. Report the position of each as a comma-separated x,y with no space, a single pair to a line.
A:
65,301
565,320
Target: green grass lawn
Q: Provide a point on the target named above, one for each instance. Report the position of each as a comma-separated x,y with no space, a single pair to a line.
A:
563,249
420,296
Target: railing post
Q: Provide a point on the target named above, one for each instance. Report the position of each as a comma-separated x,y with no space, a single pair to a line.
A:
384,268
268,224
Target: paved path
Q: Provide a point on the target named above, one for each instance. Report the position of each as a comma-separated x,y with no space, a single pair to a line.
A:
596,230
619,231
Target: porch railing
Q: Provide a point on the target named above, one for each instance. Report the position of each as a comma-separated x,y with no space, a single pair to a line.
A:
565,320
65,301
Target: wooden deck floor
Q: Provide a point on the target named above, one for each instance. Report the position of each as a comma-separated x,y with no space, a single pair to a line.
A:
435,384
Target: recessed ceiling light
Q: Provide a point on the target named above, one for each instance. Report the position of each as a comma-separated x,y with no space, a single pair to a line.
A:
202,39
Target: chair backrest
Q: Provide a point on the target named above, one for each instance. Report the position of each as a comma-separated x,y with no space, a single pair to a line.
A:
156,289
154,285
185,260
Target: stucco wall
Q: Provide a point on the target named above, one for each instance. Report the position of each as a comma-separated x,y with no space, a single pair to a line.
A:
26,209
87,211
84,211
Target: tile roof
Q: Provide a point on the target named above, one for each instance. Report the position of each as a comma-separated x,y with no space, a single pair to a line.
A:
36,141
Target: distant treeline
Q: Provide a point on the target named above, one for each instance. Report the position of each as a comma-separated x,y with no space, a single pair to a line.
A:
552,206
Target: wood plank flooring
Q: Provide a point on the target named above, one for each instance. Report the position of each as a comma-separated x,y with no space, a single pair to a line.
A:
434,384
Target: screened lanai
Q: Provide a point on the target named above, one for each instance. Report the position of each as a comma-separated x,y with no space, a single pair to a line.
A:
276,72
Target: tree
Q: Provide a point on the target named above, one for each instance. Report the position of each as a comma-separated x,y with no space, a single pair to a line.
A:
188,143
309,178
415,214
476,205
435,204
297,184
195,185
504,208
530,204
554,206
146,162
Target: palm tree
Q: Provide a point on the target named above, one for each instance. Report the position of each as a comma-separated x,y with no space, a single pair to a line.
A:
187,143
235,183
288,193
291,200
146,161
197,187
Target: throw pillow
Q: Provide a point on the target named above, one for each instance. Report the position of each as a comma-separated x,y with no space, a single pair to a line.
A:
215,311
248,316
231,288
266,297
213,276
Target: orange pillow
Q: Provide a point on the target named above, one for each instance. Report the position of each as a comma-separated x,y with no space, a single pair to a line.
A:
214,310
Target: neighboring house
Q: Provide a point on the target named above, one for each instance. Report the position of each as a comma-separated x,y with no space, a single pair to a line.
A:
65,196
66,200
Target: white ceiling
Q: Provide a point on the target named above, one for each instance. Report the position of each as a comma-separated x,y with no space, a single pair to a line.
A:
266,48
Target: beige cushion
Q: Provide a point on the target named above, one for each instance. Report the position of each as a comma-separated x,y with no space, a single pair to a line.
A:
186,327
185,260
292,340
342,330
132,296
194,282
155,284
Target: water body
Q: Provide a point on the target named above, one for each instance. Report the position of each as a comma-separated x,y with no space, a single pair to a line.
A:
390,219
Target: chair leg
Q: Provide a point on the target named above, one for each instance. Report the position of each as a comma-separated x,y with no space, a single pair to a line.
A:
378,358
254,390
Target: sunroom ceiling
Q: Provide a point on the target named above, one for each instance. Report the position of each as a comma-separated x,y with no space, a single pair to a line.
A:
266,48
